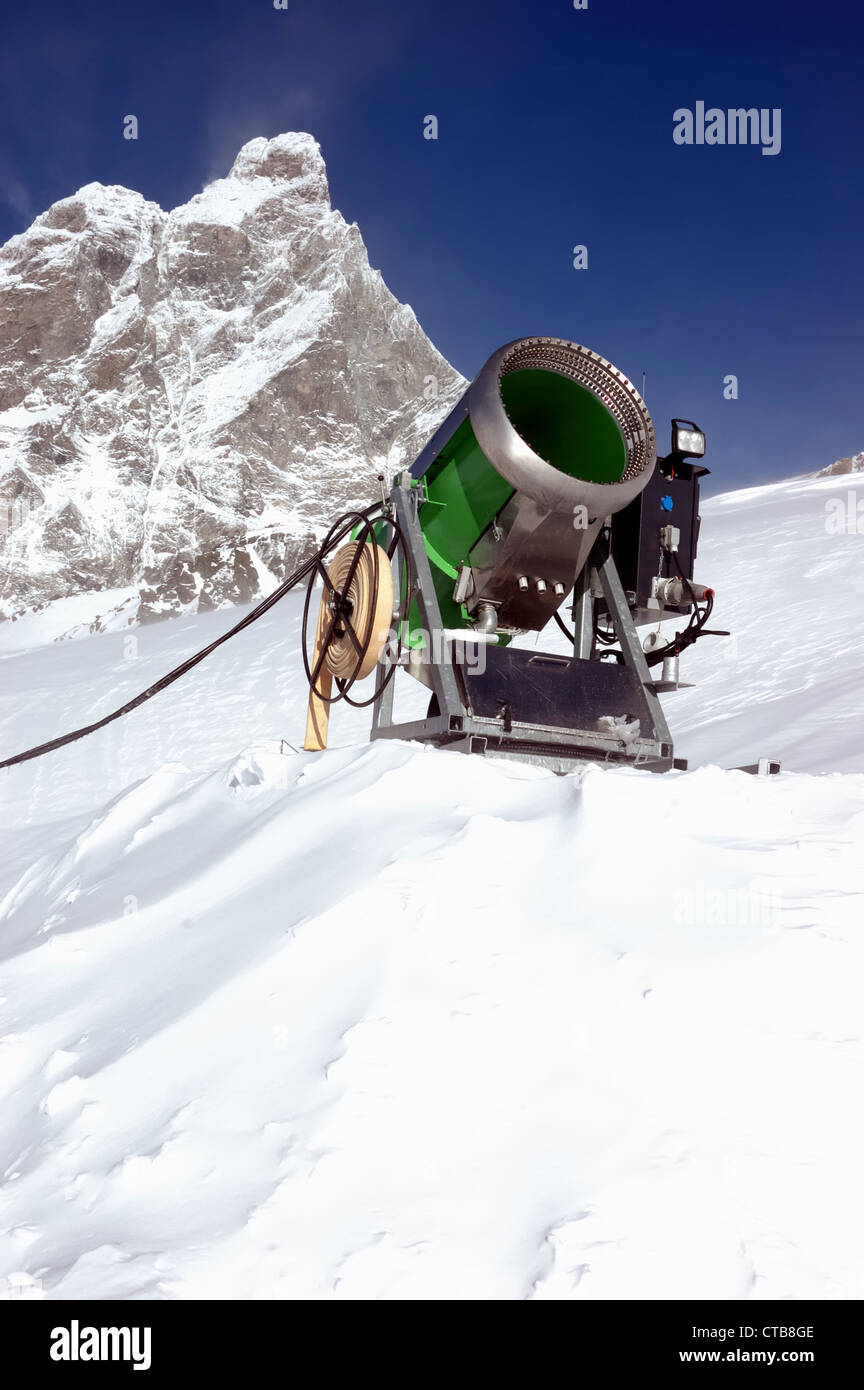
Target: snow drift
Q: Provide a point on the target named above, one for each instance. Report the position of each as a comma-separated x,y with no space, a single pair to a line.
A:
395,1023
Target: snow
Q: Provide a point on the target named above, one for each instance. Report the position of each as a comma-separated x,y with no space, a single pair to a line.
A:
224,393
21,417
390,1022
68,618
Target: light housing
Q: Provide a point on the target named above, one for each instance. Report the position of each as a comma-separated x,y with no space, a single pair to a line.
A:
688,441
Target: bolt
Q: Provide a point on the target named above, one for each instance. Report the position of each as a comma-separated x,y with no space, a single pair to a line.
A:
541,586
523,582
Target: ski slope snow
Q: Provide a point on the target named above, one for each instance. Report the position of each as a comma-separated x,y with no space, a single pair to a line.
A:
390,1022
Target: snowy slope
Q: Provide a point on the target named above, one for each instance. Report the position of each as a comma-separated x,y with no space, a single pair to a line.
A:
394,1023
790,587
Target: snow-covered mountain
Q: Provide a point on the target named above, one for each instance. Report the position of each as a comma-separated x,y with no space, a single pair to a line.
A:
187,398
386,1022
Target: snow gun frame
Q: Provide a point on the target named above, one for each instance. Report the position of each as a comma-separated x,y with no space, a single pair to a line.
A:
543,482
541,707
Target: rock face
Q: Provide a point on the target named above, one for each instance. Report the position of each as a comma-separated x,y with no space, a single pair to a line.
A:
188,399
854,464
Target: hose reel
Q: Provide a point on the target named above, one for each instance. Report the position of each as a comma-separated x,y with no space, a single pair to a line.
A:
354,626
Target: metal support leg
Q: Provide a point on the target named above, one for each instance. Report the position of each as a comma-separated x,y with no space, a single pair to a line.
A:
444,684
583,615
628,637
438,656
382,710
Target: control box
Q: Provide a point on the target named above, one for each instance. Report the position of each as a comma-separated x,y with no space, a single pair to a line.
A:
664,515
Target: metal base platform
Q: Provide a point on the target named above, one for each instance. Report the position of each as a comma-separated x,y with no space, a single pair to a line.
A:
541,707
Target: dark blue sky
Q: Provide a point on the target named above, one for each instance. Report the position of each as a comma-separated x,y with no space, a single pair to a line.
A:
555,129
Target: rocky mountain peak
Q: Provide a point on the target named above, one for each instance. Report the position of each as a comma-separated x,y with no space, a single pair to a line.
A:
186,399
294,159
853,464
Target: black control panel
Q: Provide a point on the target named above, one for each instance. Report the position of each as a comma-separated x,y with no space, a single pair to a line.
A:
670,499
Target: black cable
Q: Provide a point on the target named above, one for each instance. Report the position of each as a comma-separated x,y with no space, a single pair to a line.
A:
187,665
696,626
681,640
607,638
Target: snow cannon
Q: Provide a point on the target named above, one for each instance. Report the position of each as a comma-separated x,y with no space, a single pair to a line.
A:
548,441
541,483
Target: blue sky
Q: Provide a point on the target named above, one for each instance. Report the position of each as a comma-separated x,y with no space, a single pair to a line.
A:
555,129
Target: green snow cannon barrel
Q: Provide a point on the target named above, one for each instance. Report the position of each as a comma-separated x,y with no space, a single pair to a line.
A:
548,441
